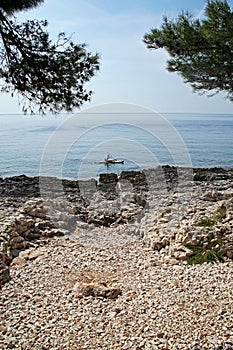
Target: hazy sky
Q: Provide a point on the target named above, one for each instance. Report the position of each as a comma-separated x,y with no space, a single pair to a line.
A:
129,72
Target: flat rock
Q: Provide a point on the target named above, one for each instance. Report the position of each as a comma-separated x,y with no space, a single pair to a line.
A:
100,290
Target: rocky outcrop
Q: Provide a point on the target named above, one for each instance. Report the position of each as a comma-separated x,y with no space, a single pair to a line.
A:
203,225
153,201
108,185
212,174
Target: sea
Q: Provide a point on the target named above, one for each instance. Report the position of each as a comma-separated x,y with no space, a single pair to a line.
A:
72,146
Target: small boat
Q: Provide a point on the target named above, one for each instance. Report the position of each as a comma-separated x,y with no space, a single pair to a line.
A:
110,160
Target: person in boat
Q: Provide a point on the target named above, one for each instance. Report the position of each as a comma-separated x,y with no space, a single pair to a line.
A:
109,159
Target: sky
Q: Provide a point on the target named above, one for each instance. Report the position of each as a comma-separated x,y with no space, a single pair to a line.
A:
129,72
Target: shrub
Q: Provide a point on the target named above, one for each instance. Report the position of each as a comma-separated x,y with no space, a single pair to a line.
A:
212,252
209,222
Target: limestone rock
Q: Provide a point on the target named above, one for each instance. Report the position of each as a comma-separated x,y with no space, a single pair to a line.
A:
100,290
180,252
4,273
31,254
18,261
156,242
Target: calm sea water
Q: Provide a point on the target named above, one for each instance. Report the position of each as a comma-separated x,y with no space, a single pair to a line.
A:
70,146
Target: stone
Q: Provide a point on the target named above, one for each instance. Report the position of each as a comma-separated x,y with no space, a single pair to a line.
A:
157,242
229,254
4,273
180,252
53,232
24,254
31,254
191,237
100,290
18,261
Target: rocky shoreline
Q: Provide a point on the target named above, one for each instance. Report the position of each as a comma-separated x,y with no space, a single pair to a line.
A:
135,227
161,205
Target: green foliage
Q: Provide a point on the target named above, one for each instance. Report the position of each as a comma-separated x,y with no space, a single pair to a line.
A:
201,51
209,253
206,222
46,74
12,6
221,213
209,222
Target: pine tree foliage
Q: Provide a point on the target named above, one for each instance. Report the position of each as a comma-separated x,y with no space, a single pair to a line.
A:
47,76
12,6
201,50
